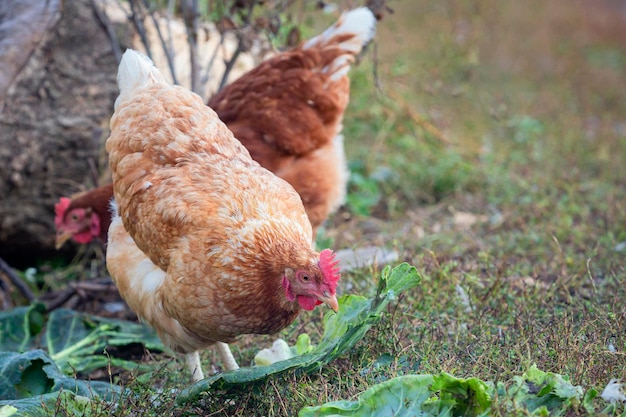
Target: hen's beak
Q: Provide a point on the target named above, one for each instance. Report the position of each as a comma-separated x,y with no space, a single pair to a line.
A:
330,301
61,239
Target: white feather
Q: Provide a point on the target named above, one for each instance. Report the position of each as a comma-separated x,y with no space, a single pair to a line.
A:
136,71
360,22
113,208
614,391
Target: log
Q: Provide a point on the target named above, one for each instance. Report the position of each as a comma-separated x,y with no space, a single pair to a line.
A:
58,88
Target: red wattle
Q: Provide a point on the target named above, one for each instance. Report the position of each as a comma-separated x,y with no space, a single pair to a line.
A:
307,303
83,238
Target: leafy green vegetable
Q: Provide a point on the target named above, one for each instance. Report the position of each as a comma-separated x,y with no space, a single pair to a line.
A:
29,379
536,393
341,332
47,404
544,393
77,341
19,326
463,397
590,395
303,344
74,340
414,395
401,396
7,410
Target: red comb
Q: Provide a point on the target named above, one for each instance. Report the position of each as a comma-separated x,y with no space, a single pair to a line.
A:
60,208
329,266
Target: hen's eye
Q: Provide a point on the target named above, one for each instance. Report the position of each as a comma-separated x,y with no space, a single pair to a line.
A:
74,216
305,277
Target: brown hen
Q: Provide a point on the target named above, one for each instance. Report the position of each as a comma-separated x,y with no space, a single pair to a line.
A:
206,244
288,112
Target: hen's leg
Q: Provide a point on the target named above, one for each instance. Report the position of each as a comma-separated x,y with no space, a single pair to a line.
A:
193,362
227,356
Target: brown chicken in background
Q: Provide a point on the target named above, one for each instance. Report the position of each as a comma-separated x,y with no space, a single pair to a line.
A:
84,216
206,244
288,113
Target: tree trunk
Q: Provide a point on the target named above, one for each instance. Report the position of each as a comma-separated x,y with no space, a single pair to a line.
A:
55,116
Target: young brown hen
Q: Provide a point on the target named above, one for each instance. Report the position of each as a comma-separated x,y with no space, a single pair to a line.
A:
84,216
206,244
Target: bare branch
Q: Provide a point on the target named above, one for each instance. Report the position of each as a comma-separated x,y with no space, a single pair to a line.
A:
170,36
212,58
108,27
189,9
230,63
241,45
137,20
170,7
166,50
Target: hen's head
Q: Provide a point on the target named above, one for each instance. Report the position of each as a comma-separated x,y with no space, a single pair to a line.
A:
314,285
80,223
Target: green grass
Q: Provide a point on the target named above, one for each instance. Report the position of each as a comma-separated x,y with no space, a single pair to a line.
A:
529,109
537,151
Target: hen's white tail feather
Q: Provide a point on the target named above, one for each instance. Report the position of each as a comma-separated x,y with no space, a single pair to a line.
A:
361,23
351,33
136,71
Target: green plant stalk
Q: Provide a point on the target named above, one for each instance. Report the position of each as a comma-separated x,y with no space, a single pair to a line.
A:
91,338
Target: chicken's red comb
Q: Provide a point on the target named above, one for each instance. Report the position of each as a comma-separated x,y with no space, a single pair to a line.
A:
329,266
60,208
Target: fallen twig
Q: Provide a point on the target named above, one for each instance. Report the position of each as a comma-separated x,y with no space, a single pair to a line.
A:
60,299
81,289
93,286
420,120
16,280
